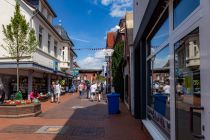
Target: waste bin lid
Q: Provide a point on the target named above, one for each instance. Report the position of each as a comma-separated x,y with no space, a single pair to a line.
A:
113,95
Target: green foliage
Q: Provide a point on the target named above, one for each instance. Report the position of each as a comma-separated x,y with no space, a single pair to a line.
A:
19,38
18,96
117,57
117,73
101,78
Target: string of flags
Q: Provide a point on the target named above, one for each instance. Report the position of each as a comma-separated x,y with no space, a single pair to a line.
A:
91,49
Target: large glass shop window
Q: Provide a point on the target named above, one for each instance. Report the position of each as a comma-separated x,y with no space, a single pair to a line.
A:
158,80
187,85
182,9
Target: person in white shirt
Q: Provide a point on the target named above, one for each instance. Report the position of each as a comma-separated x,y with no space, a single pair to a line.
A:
166,89
93,88
58,91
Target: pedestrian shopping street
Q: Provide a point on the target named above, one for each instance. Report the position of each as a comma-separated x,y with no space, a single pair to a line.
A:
74,119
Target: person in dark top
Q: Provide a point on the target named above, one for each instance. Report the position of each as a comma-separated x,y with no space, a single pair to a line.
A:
2,94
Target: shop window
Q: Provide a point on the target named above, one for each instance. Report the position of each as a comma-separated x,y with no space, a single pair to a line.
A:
182,9
158,90
187,85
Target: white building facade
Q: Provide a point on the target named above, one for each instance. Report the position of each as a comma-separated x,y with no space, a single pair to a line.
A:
53,57
171,70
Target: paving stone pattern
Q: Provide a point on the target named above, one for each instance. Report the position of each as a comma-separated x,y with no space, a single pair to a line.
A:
87,121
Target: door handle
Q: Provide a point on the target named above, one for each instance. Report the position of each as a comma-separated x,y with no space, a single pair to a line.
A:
192,108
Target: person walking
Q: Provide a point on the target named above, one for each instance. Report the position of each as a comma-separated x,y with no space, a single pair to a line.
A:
98,91
2,92
88,90
93,88
166,89
58,91
81,88
52,92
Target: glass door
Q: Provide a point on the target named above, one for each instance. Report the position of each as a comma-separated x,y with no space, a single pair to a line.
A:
187,87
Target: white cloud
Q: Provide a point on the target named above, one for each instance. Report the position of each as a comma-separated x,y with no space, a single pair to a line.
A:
106,2
118,7
79,39
113,29
100,54
92,62
161,62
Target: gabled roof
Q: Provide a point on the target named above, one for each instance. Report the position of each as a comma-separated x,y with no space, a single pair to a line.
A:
73,52
35,4
63,33
53,12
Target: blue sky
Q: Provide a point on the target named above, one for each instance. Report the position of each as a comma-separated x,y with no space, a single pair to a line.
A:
87,22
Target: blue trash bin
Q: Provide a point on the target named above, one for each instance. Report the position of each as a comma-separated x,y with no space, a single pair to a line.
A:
160,103
113,103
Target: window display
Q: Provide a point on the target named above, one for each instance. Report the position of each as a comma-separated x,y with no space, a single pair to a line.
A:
187,76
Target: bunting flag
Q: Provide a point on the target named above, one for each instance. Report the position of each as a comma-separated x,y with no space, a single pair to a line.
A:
91,49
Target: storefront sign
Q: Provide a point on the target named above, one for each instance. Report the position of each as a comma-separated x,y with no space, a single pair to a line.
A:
160,120
75,72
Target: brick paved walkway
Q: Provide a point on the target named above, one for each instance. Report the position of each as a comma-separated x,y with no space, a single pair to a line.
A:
73,119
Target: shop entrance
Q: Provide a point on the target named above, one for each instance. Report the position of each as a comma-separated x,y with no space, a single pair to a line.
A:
187,87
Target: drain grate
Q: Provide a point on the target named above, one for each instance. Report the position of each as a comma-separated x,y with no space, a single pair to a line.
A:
20,129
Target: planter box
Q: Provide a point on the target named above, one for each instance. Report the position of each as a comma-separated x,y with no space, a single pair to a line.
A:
18,111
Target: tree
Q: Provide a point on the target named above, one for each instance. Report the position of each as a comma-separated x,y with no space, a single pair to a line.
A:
20,40
117,72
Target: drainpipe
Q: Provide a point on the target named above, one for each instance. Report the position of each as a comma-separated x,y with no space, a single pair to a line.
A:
34,14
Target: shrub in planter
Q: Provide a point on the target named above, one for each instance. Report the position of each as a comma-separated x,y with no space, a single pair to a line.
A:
18,96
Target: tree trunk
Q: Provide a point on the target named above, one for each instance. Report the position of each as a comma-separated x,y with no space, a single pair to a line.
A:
17,74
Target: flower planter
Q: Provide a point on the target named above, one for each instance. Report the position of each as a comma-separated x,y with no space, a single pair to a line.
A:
18,111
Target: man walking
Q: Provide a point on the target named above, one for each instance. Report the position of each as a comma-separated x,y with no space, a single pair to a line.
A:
93,88
58,91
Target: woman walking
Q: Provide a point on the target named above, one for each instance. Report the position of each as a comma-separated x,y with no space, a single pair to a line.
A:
58,91
52,92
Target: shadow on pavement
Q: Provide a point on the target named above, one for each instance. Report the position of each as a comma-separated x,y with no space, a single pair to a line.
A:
86,122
